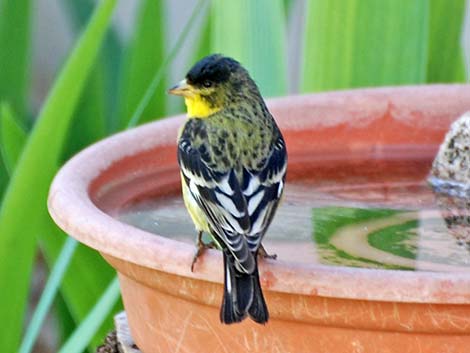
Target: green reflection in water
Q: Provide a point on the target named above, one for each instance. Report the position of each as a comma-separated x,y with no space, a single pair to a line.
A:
385,238
400,239
327,221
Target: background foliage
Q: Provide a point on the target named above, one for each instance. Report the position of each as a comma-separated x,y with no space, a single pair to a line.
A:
108,83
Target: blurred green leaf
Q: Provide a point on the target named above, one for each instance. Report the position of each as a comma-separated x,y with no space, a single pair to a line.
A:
67,323
94,274
253,32
15,22
86,277
361,43
143,57
11,143
48,295
89,120
12,137
25,198
102,86
87,329
203,46
3,177
445,62
159,74
87,274
288,5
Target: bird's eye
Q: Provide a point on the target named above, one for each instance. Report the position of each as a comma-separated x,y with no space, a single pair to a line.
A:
207,83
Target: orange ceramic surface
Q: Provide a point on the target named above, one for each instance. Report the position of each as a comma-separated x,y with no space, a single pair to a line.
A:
314,308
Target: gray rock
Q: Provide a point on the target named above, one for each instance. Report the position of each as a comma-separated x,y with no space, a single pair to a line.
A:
452,162
450,178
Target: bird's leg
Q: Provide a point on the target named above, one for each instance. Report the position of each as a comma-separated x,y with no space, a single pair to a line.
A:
200,249
201,246
264,254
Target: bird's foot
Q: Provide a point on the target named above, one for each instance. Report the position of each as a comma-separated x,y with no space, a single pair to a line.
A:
264,254
201,246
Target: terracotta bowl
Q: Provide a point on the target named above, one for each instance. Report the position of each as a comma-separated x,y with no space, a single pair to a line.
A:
313,307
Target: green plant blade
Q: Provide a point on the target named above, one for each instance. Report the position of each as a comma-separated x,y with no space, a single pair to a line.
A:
104,78
12,137
80,338
253,32
86,278
203,46
445,58
48,295
11,143
89,122
145,55
144,101
27,191
361,43
67,324
288,4
15,29
87,272
4,177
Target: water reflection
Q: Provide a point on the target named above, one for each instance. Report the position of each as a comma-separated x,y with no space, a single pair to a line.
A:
387,238
456,215
391,226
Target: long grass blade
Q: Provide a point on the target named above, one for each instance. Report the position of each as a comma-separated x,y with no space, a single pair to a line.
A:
48,295
445,62
12,137
87,272
359,43
105,75
144,101
67,324
15,27
4,177
203,46
26,194
145,55
253,32
86,278
88,124
82,335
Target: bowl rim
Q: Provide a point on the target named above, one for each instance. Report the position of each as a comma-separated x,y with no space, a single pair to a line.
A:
72,209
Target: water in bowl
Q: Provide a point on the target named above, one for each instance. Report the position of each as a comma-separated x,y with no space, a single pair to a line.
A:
389,224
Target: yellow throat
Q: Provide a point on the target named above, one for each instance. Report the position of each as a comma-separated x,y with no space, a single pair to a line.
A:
198,107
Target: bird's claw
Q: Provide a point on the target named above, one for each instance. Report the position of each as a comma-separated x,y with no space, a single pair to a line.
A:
264,254
196,255
270,256
201,246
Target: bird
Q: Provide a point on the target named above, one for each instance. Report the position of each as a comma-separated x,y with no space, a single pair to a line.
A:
233,163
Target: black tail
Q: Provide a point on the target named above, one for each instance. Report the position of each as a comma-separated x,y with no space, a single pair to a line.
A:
242,295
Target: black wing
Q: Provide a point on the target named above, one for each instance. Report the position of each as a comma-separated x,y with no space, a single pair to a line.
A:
263,189
219,195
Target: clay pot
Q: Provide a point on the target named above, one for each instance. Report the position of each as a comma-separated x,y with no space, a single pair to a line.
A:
313,307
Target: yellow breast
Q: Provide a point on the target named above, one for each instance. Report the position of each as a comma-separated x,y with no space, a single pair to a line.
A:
197,215
198,107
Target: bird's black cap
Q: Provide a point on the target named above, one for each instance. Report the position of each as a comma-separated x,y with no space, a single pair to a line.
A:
216,68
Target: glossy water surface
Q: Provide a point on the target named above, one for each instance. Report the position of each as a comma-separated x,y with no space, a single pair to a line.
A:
391,225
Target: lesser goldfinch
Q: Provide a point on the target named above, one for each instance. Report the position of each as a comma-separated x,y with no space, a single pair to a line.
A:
233,162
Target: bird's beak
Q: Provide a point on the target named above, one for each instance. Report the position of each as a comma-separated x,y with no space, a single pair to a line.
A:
183,88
